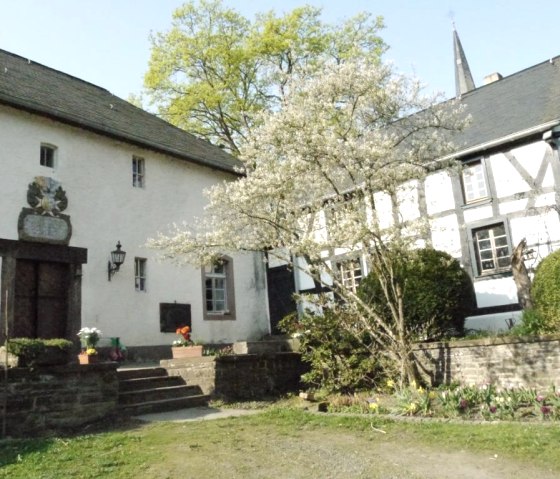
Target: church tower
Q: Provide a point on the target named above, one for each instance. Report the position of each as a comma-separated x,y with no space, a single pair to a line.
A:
463,78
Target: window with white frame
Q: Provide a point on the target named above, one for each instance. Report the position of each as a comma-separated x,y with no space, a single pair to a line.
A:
47,155
140,274
138,172
351,274
475,185
218,289
492,249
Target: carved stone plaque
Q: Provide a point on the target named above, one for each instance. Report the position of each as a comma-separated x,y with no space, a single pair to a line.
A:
45,227
44,221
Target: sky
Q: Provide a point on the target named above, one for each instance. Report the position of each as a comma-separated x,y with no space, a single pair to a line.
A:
107,42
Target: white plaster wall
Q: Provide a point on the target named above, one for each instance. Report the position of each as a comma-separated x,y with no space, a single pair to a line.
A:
446,235
407,200
439,193
477,213
104,208
530,156
495,292
507,180
384,209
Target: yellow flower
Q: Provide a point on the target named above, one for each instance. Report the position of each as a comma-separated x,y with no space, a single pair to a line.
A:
390,383
91,351
373,406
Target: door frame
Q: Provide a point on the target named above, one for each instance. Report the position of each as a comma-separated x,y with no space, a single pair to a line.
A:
11,251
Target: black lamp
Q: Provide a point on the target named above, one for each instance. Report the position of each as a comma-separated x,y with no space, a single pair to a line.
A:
117,258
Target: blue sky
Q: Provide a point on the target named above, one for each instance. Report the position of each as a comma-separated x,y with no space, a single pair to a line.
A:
106,42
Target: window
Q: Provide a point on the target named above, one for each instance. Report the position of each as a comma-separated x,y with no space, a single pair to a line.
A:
138,172
492,250
475,186
140,274
47,156
350,273
218,289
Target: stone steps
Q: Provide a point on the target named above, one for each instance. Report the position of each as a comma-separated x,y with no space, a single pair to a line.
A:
148,390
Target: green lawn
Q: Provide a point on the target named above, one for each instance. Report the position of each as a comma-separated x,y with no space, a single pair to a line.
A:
279,442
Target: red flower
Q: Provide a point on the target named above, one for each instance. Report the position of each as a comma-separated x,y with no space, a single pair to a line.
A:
185,332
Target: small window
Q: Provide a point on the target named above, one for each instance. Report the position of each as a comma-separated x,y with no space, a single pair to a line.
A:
138,172
218,289
350,273
492,249
475,186
47,156
140,274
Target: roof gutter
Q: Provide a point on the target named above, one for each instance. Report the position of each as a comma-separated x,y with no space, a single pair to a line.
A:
501,141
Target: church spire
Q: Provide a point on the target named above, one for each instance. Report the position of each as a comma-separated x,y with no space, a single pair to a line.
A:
463,78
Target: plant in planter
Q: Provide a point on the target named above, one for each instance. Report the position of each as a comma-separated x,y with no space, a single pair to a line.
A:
89,337
31,352
185,347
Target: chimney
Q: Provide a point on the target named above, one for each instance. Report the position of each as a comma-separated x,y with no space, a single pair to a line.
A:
492,78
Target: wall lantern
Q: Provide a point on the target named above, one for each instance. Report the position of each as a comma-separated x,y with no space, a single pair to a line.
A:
117,258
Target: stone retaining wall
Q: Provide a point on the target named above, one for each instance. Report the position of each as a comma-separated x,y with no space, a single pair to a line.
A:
247,376
58,397
505,362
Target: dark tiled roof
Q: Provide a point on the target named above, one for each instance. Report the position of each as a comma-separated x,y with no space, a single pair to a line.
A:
33,87
515,104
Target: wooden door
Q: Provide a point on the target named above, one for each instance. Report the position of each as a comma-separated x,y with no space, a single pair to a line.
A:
41,299
281,289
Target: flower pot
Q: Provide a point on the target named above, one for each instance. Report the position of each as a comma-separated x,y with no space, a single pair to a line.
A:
88,358
186,352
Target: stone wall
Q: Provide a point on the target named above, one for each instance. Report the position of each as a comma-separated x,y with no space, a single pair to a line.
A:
58,397
247,376
505,362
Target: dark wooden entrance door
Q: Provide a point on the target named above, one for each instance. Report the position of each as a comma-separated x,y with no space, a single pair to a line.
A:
41,299
281,289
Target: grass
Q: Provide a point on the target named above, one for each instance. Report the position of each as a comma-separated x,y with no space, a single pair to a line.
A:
245,444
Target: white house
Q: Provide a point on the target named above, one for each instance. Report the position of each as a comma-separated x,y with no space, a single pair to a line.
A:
82,170
508,190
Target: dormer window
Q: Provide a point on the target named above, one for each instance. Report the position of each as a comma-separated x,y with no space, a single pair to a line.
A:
47,156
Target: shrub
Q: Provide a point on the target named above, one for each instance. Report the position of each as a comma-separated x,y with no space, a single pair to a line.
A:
437,293
532,324
339,360
546,293
30,350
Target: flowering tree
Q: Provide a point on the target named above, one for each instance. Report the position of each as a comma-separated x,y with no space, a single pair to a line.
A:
353,135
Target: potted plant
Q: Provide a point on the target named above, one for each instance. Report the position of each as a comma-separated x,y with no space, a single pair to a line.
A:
89,337
185,347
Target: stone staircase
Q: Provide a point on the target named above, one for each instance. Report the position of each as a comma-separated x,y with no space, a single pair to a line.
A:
149,390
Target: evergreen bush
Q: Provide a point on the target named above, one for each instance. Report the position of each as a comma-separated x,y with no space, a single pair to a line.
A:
437,293
546,293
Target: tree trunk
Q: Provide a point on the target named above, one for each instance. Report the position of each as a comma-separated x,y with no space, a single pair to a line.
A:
521,276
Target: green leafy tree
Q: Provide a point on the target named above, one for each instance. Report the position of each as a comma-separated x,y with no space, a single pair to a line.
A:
215,71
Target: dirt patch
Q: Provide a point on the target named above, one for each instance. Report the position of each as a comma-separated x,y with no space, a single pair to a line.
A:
230,450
